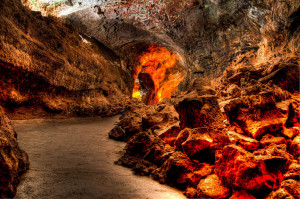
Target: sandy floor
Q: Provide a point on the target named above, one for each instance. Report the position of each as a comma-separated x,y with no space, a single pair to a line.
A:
73,158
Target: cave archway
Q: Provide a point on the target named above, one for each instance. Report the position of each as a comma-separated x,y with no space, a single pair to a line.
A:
157,73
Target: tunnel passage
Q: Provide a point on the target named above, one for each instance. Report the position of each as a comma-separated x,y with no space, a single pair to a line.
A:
156,75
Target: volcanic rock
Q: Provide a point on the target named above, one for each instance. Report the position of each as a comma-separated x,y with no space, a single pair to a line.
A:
234,91
295,146
293,171
170,135
239,168
117,133
212,187
13,160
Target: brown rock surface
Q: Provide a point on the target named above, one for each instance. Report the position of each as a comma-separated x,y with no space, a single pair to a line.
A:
13,160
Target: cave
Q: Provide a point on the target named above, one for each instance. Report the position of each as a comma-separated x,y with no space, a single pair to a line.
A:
200,97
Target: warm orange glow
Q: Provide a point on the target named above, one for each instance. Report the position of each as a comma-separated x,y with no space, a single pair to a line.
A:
156,62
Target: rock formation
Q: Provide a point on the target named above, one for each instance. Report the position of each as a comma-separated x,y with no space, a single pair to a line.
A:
13,160
47,67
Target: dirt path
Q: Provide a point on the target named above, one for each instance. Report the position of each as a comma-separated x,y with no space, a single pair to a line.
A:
73,158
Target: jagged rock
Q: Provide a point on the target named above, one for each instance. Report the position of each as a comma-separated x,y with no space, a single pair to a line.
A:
234,91
292,186
280,194
201,143
195,111
269,139
247,143
241,194
212,187
293,171
13,160
239,168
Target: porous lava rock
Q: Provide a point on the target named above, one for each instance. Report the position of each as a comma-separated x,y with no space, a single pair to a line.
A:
212,187
13,160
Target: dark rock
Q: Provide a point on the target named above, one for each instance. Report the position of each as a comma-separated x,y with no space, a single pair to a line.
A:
234,91
170,135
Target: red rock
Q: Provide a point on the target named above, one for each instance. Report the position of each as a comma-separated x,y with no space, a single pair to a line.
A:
212,187
269,139
280,194
170,135
247,143
241,194
193,141
239,168
292,186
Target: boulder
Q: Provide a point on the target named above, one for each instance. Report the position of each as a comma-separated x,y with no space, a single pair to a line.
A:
293,171
295,146
212,187
200,143
195,111
291,132
202,171
239,168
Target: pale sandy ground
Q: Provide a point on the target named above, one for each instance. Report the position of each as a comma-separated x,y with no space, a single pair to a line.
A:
73,158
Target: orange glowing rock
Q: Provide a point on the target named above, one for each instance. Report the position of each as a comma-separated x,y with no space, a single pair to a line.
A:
157,62
291,132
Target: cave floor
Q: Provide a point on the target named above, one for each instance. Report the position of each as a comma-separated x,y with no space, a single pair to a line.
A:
74,158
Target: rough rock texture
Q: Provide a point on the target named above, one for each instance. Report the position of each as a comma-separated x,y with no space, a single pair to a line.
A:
13,160
48,67
208,35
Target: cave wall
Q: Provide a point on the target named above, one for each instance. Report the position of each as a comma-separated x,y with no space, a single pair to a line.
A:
47,65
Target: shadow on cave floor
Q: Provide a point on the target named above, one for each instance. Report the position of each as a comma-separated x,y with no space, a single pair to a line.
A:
73,158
